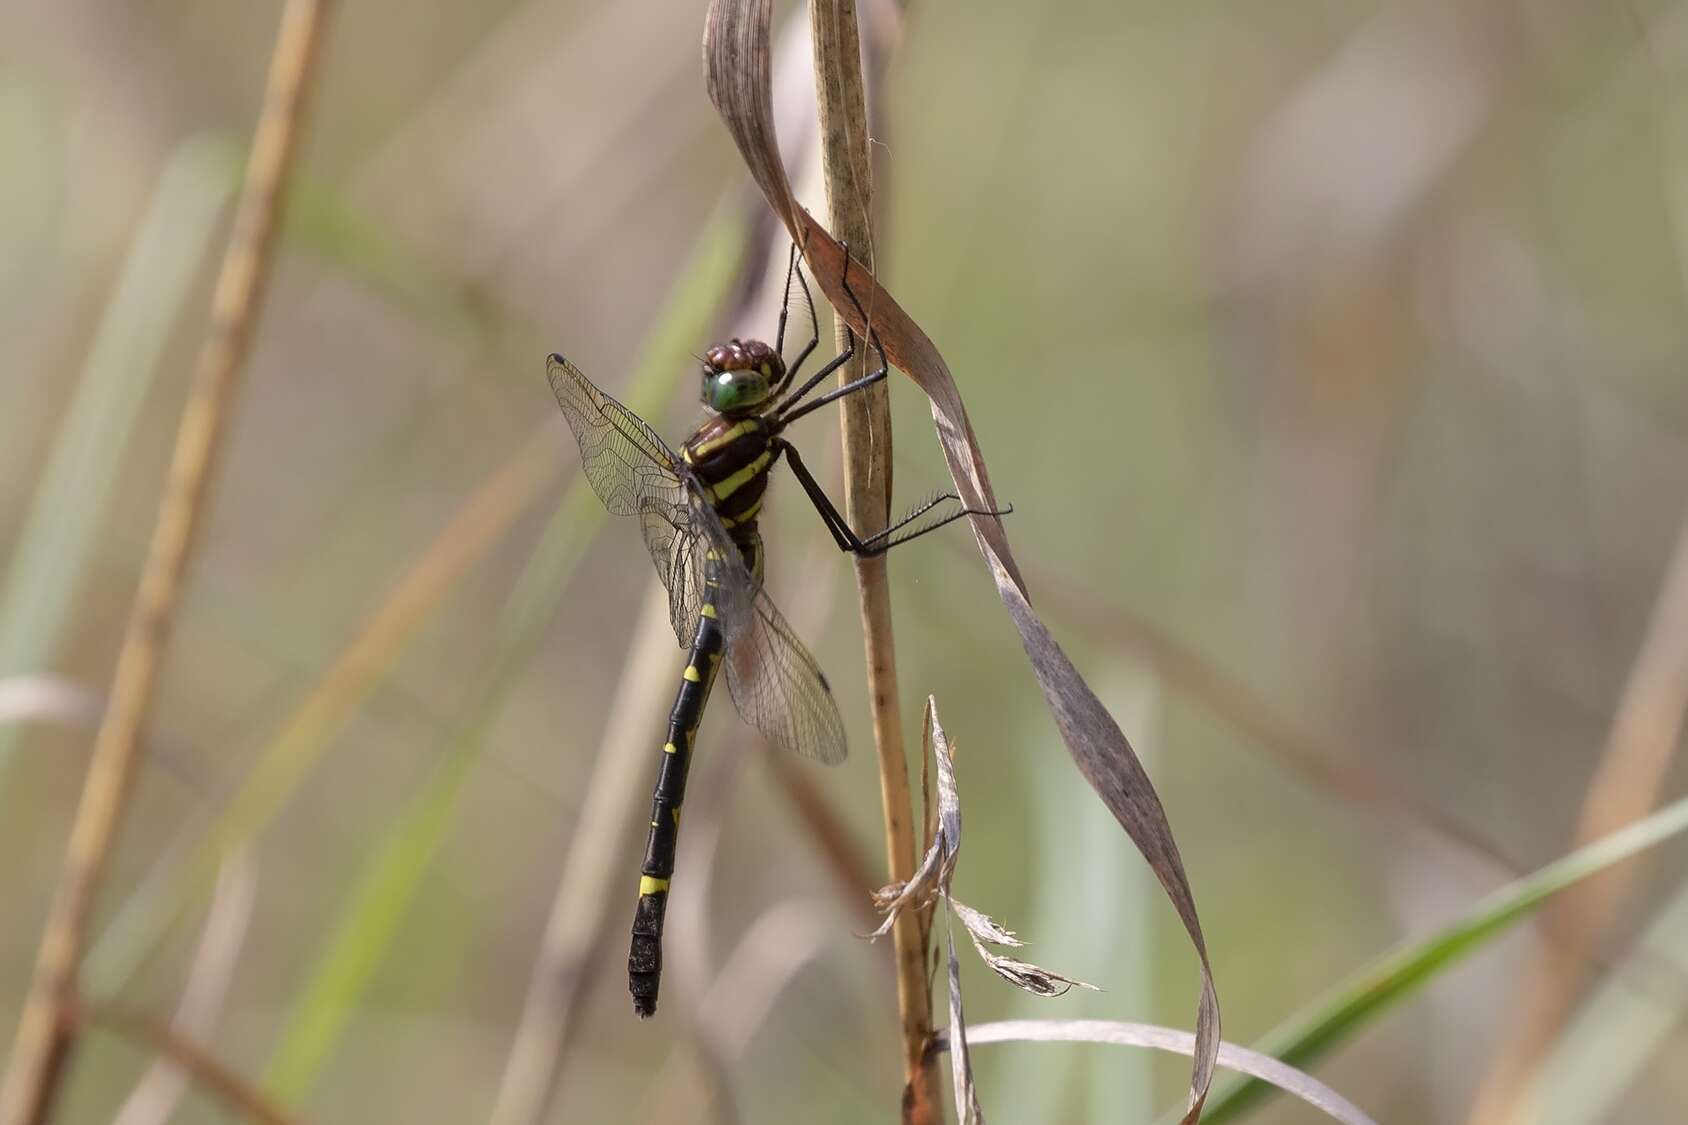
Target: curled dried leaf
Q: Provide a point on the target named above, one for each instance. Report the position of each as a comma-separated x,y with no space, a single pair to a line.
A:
967,1110
937,872
1021,974
983,927
937,867
1230,1056
737,73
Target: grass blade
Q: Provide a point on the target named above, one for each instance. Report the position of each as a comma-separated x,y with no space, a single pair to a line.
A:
59,536
1373,990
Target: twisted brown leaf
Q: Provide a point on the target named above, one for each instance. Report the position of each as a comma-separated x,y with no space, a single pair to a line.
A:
737,70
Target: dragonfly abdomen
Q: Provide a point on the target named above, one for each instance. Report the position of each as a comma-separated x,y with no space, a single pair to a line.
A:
644,958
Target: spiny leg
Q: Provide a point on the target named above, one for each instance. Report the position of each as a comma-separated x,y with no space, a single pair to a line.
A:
880,541
783,409
794,266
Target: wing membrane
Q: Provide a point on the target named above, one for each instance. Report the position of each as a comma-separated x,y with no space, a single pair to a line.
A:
635,473
776,685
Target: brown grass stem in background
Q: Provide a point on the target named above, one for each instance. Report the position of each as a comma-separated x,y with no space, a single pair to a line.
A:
476,526
1640,747
156,1096
817,815
45,1035
865,419
226,1085
783,941
736,66
1314,759
591,884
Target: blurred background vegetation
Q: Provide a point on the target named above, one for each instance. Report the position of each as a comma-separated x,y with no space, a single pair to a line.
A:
1335,349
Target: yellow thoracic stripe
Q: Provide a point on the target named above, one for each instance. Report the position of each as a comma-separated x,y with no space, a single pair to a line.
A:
726,437
650,884
739,479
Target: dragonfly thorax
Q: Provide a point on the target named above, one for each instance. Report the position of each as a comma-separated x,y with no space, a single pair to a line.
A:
739,377
731,458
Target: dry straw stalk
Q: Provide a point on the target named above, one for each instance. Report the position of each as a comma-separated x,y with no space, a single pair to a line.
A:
46,1033
866,423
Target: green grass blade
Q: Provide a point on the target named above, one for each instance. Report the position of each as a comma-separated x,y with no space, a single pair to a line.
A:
60,534
361,940
1366,995
374,915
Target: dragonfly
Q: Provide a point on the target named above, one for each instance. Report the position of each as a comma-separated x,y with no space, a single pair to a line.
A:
698,509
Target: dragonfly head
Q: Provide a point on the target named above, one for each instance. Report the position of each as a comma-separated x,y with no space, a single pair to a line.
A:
739,377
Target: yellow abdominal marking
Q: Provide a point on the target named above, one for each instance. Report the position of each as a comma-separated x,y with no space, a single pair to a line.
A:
691,674
650,885
744,476
669,748
676,815
743,517
708,610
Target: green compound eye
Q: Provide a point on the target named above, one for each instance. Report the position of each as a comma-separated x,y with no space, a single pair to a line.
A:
723,392
737,390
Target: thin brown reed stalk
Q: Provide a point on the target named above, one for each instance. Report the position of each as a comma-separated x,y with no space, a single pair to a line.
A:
156,1096
1640,749
45,1034
589,886
225,1085
866,423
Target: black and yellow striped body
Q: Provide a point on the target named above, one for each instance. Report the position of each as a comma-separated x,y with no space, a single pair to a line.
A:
731,458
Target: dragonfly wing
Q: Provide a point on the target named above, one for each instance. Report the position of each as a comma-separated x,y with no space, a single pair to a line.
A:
679,549
775,683
630,467
635,473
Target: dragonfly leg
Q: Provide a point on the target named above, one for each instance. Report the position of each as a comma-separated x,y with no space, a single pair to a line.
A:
837,393
784,411
880,541
795,267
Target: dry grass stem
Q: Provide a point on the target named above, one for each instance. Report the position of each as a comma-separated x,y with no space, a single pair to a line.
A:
1239,1060
815,814
866,424
591,885
1640,748
308,734
736,66
1346,776
226,1085
785,939
161,1088
47,699
45,1037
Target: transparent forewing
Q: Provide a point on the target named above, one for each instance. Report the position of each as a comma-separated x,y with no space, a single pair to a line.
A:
776,685
630,468
635,473
678,547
